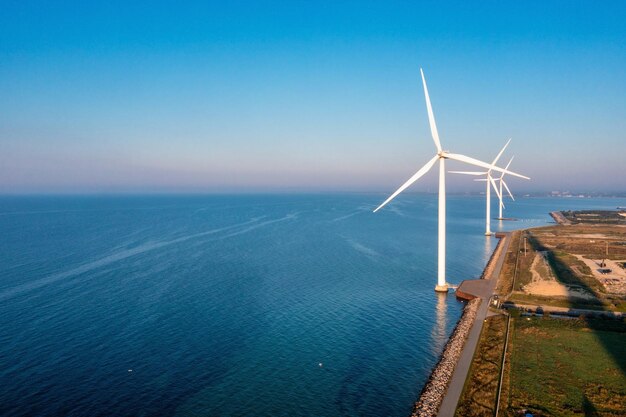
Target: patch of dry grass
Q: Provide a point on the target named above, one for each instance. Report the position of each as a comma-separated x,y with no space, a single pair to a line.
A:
480,390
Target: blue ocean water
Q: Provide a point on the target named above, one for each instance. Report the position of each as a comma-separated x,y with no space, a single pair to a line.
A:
272,305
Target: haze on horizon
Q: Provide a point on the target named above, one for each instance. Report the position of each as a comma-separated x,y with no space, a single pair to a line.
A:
273,96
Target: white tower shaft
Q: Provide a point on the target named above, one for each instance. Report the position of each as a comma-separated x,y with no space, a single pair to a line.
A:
500,205
488,211
441,272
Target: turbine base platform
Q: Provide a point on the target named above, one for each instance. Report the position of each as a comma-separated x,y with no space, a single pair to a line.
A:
488,233
442,288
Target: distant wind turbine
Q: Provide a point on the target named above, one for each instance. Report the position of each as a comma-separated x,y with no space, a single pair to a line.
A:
440,156
500,194
490,182
501,180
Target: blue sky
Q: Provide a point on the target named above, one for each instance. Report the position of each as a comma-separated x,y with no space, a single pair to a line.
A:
307,96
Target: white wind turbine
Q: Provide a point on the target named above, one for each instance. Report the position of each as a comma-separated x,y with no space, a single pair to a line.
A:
491,182
440,156
500,193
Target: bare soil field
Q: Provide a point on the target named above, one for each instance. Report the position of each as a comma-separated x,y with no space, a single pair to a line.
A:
610,273
562,266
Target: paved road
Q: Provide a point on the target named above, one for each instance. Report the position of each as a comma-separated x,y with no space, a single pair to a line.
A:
448,406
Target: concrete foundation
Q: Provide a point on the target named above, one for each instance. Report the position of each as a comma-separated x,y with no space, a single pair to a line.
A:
442,288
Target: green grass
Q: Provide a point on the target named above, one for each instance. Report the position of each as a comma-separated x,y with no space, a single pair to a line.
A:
567,367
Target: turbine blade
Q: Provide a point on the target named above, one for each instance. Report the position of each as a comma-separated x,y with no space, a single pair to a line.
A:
468,172
509,191
411,180
431,116
481,179
500,154
507,166
495,188
472,161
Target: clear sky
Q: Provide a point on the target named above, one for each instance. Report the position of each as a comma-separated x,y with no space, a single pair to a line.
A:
125,96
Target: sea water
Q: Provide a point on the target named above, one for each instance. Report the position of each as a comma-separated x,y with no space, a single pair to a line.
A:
266,305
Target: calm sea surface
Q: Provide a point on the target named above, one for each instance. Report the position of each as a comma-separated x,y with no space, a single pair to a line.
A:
286,305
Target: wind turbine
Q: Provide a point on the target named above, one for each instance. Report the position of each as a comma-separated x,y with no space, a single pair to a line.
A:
490,182
440,156
501,180
501,195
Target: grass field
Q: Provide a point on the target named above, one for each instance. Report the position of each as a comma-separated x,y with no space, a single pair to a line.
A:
566,367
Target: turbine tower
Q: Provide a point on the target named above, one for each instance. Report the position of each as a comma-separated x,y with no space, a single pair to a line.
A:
440,156
490,182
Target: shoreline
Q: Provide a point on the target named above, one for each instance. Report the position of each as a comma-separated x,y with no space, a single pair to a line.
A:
447,374
434,391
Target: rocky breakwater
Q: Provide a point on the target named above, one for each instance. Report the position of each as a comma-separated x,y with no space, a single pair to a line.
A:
435,389
560,218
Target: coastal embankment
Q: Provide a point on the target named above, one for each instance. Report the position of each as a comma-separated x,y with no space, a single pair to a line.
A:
560,218
435,389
